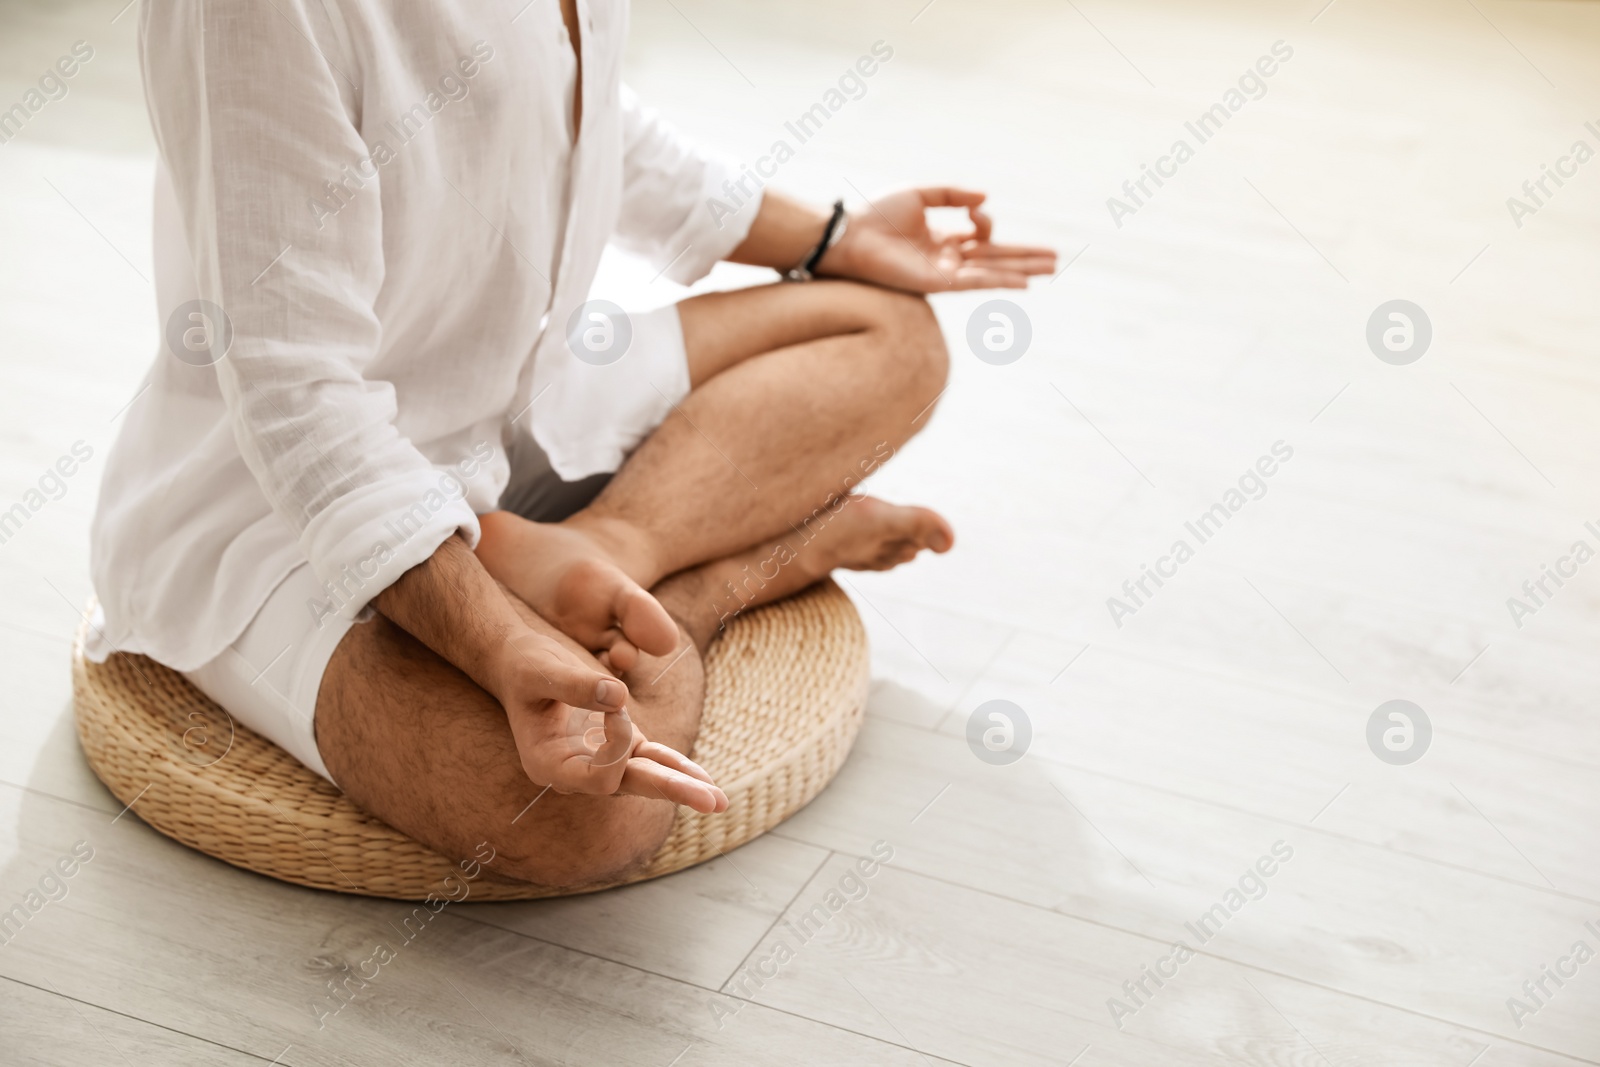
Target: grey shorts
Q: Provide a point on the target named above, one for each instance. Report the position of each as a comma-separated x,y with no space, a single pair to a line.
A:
536,492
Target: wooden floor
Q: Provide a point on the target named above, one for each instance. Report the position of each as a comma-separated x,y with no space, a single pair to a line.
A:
1221,722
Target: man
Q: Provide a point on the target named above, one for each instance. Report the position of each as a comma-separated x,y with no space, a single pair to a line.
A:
378,505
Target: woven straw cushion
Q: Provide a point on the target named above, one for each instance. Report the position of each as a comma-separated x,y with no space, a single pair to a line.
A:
785,690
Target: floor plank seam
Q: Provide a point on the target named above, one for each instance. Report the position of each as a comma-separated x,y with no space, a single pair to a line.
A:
1309,983
1269,683
47,795
1270,817
778,918
135,1018
1319,831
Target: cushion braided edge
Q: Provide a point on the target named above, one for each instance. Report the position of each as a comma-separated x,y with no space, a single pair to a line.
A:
785,695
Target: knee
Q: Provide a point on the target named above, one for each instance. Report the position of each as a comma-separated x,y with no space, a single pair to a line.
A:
915,347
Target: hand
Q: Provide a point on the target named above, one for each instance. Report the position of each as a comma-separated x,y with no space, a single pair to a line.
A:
889,243
549,689
574,735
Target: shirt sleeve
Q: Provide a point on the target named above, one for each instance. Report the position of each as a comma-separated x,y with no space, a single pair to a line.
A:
253,109
681,207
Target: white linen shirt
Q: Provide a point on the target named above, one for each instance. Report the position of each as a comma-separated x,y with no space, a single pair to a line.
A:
385,201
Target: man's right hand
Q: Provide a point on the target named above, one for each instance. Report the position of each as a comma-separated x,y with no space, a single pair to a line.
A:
574,734
552,694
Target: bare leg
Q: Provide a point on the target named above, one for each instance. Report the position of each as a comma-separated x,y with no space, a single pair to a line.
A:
801,391
856,533
412,740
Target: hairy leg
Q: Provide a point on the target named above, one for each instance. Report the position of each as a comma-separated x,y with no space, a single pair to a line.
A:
799,393
855,533
415,742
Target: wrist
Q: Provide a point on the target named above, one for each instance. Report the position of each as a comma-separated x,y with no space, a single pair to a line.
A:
495,666
452,605
836,261
807,235
833,231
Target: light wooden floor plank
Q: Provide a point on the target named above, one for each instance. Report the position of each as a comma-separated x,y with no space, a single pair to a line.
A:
984,980
43,1029
1343,915
150,930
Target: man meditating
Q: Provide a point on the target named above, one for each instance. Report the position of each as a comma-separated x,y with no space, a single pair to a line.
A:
378,501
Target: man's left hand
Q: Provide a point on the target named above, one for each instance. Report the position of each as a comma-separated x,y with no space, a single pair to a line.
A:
889,243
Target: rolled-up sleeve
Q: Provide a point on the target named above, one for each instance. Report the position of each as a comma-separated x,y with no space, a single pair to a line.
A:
681,206
280,201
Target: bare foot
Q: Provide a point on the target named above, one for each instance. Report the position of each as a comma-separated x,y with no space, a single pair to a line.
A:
868,534
863,534
574,583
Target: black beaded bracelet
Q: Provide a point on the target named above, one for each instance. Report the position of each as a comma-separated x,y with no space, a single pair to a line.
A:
830,237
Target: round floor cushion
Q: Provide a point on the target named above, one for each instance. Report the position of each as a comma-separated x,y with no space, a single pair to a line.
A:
785,691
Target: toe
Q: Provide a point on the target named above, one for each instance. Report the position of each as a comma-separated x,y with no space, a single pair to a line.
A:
936,533
646,623
621,657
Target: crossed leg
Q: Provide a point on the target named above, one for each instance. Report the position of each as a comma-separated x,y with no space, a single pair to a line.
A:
799,392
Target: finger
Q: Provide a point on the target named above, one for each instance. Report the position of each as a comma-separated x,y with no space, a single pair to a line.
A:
549,674
1015,264
979,278
647,778
620,740
982,225
576,775
934,276
671,757
950,196
567,768
974,250
987,248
